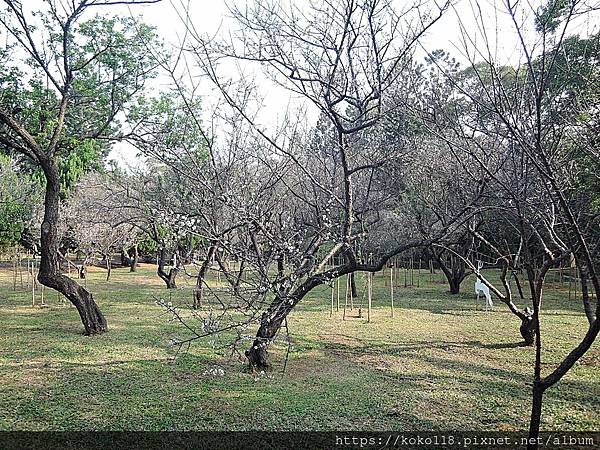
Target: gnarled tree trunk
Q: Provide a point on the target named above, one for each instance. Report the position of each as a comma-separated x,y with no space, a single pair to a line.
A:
49,274
167,277
270,322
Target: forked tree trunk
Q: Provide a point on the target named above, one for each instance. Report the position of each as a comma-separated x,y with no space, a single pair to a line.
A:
455,275
168,277
454,285
130,260
49,273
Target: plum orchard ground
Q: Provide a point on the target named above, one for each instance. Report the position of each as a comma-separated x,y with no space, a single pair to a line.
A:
439,364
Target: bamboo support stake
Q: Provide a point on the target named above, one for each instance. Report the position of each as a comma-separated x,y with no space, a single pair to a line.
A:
332,299
338,294
345,300
350,279
32,285
430,271
576,282
20,266
392,289
15,274
28,273
370,295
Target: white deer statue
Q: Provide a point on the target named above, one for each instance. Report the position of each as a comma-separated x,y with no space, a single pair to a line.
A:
481,288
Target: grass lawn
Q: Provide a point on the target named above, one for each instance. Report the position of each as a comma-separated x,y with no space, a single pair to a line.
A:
439,364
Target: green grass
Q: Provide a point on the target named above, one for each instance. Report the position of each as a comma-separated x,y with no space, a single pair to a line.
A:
438,364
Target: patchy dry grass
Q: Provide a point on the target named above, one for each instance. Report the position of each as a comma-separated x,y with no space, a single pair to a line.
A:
438,364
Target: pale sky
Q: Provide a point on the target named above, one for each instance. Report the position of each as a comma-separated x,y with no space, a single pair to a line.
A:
211,17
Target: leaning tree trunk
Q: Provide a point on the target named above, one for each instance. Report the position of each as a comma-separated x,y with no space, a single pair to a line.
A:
238,278
273,318
270,323
198,291
588,306
49,274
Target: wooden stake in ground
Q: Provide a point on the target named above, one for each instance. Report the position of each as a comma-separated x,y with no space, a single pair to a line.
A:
431,271
28,272
338,294
32,284
332,298
369,294
20,266
346,299
570,282
392,288
351,284
576,282
15,273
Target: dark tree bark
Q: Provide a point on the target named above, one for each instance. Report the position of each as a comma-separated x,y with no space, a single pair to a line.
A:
518,283
49,274
168,277
455,272
198,291
238,278
536,415
527,328
353,290
108,267
134,259
270,323
588,305
125,258
130,257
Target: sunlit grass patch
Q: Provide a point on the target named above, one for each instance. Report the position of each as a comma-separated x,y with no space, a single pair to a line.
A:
440,363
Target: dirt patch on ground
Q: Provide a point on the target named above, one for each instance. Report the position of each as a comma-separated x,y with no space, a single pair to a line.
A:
592,359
